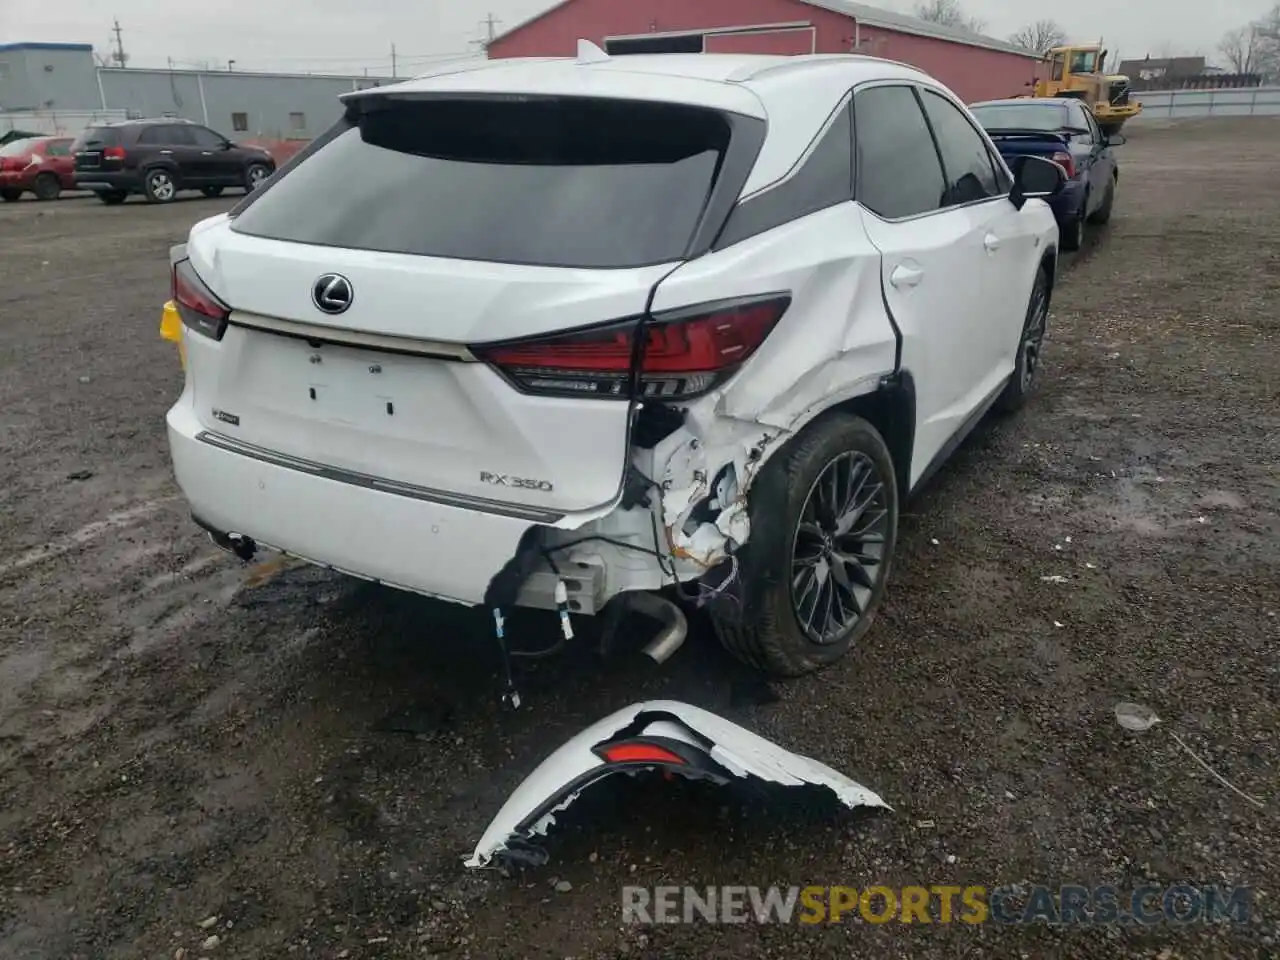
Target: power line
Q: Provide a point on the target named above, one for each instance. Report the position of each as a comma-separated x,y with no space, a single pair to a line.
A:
120,56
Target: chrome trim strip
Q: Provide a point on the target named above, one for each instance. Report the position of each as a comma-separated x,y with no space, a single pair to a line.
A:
342,336
427,494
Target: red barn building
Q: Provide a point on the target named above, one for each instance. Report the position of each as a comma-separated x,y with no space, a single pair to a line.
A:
974,66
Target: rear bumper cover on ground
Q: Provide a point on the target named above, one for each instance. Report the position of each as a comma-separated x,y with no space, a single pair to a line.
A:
708,747
431,548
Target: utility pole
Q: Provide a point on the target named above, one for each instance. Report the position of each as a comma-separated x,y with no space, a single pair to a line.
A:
393,61
120,56
490,23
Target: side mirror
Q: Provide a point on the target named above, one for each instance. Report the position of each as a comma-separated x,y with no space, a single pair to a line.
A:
227,145
1116,140
1035,177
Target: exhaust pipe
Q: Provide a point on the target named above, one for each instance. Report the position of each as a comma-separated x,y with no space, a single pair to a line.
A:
243,547
675,627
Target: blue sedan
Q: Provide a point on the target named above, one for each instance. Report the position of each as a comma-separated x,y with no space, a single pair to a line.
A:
1065,131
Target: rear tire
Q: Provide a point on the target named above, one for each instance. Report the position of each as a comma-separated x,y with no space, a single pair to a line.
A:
211,191
10,196
1071,234
1103,213
112,197
47,187
1030,347
159,186
795,553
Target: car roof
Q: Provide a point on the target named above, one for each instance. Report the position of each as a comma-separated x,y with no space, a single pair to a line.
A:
794,94
144,122
1035,101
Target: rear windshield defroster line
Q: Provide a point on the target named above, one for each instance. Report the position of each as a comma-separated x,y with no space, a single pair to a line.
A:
552,181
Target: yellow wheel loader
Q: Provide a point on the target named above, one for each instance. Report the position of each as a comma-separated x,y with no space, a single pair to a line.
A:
1076,71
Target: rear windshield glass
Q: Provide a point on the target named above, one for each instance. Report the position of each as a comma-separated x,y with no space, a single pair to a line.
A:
16,148
96,137
1020,116
551,181
99,136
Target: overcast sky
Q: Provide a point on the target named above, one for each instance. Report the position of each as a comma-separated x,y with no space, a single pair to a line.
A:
338,36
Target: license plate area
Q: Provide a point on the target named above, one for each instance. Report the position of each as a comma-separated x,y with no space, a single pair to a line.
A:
375,392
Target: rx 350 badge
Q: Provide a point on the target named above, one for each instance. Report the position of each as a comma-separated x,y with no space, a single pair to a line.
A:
520,483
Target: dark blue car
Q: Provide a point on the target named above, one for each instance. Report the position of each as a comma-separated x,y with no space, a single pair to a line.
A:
1065,131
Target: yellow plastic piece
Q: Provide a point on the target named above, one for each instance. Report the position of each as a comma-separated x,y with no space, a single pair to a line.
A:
171,329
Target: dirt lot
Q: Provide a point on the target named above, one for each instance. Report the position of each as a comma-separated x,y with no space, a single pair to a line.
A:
308,758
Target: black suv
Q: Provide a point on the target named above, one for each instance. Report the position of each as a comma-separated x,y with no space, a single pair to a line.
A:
157,158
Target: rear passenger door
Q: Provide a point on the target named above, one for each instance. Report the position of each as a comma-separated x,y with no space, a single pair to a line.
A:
1001,243
930,257
1101,161
193,168
58,156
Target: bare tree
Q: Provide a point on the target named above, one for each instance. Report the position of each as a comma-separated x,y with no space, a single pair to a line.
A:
1241,48
1040,36
1267,34
1255,47
948,13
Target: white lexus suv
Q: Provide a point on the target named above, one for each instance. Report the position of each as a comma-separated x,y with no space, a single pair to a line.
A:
557,332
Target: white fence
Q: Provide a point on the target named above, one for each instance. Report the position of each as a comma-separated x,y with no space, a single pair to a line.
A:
67,123
1174,104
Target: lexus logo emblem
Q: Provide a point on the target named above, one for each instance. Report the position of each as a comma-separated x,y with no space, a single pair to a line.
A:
332,293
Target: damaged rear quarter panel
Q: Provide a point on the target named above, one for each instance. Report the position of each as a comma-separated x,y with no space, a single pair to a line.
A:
834,343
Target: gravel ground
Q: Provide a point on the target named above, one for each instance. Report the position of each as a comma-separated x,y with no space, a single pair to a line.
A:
307,758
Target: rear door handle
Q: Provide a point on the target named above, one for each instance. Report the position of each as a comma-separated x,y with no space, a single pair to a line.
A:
207,153
906,276
991,242
167,153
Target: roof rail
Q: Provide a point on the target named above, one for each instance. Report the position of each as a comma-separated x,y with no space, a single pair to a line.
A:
801,60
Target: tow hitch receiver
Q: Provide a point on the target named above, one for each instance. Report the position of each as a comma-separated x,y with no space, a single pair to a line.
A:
676,738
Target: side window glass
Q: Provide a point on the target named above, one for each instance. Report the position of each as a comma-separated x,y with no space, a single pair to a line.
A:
1080,118
897,163
1094,130
824,179
179,135
150,135
206,138
965,159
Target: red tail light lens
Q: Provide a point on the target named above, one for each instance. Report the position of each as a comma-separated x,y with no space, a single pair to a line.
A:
113,153
684,353
12,163
199,308
1065,161
641,753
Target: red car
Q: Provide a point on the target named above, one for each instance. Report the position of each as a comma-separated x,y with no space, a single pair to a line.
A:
43,165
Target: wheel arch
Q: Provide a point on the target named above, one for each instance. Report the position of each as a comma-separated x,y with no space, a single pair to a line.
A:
891,409
168,166
1049,260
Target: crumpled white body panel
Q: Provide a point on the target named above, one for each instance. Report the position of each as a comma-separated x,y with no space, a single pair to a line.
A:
741,752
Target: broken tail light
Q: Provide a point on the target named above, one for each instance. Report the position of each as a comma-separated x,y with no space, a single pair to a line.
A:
639,751
683,354
1066,162
199,309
